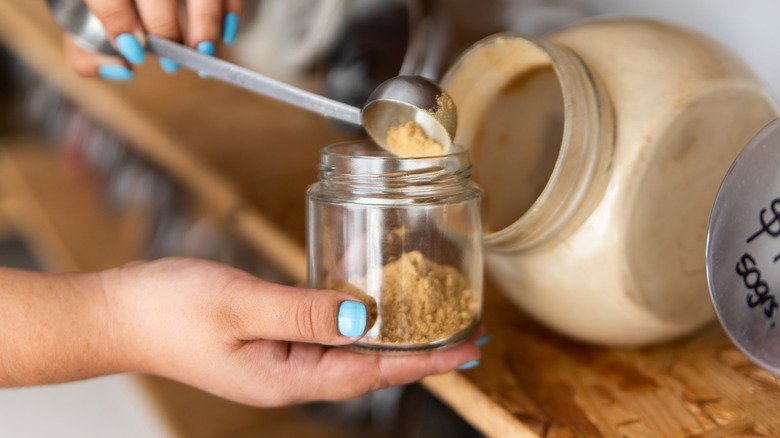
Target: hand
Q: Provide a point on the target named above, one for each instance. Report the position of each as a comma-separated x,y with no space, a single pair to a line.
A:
244,339
208,22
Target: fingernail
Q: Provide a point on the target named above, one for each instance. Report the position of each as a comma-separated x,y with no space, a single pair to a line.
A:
352,319
130,48
114,72
483,340
207,48
230,28
168,66
468,365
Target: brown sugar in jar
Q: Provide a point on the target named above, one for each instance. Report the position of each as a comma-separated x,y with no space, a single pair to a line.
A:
420,301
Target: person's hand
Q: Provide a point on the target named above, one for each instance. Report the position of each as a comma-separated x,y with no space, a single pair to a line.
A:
209,22
254,342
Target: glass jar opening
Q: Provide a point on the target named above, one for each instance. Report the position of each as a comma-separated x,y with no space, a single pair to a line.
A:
363,167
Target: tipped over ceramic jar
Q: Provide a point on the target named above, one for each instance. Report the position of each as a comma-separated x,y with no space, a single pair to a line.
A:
600,150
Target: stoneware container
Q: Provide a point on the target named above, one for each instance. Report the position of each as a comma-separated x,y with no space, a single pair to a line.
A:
601,149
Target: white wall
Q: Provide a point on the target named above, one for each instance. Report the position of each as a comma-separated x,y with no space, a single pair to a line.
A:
751,28
105,407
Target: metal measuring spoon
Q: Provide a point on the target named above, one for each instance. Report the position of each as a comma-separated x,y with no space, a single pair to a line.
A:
404,99
395,102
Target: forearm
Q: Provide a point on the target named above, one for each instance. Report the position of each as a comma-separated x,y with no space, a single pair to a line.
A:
54,328
198,322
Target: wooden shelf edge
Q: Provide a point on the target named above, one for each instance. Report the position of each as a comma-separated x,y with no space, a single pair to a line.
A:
475,407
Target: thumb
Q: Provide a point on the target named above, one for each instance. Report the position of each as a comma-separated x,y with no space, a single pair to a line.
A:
262,310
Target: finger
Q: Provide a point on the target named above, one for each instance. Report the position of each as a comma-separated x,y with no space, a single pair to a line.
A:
234,11
341,374
122,27
161,18
261,310
91,64
204,18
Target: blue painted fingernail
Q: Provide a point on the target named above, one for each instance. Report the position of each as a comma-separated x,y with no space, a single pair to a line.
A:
168,66
206,48
468,365
130,48
483,340
114,72
230,28
352,319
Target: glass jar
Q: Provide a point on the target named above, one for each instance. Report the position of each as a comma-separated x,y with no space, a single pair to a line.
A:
405,236
601,150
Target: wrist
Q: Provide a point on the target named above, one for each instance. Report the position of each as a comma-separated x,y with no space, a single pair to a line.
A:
102,340
122,343
56,328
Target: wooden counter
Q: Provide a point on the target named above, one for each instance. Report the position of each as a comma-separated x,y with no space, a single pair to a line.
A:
250,159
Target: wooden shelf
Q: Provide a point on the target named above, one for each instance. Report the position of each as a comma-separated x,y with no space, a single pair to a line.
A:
244,154
534,383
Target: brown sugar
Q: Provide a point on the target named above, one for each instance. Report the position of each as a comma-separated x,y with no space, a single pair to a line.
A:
443,103
419,301
410,140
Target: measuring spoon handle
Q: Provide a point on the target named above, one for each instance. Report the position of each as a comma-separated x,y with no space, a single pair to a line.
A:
252,80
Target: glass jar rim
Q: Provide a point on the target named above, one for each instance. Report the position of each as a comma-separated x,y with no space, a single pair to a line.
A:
456,150
363,167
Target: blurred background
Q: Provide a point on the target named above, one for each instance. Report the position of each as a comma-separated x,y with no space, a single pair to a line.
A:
81,191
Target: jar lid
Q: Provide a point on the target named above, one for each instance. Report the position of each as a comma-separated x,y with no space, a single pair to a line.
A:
743,250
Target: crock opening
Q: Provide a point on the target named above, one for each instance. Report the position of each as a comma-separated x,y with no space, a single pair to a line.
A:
511,116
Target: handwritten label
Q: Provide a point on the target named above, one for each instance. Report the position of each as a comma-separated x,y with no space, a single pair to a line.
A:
772,227
759,293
